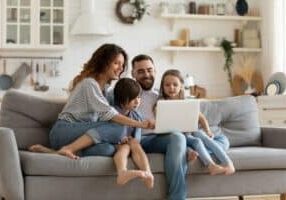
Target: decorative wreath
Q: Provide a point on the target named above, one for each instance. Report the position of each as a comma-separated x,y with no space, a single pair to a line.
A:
139,10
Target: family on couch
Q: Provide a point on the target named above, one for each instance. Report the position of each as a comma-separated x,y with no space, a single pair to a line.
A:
89,124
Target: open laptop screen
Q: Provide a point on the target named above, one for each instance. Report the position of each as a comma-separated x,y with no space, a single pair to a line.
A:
177,115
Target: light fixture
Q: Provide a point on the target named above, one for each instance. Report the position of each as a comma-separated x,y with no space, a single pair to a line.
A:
91,23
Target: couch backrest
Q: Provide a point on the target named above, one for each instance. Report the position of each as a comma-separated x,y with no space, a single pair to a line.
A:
30,117
236,117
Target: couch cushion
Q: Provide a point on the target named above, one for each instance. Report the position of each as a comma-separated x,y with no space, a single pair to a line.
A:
244,158
251,158
29,116
56,165
236,117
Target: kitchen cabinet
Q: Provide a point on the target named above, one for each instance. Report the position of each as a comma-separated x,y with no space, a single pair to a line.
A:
173,18
34,24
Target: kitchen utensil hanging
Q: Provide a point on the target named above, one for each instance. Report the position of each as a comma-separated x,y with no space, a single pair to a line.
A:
6,81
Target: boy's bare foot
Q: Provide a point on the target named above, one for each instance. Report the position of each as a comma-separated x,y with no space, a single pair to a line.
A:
65,151
192,155
125,176
148,180
38,148
215,169
229,169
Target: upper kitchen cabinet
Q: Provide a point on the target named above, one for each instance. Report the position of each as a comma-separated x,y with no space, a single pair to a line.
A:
34,24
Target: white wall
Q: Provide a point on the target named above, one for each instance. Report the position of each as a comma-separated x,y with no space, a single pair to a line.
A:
147,37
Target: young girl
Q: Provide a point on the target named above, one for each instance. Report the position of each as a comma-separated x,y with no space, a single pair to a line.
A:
126,100
201,141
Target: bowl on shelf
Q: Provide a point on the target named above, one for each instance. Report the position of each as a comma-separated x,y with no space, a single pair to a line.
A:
177,43
210,41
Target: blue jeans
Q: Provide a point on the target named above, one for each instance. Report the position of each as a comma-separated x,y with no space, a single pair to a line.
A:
104,135
198,145
216,145
174,147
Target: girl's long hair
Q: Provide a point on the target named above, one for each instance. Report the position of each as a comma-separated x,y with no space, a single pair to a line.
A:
99,62
171,72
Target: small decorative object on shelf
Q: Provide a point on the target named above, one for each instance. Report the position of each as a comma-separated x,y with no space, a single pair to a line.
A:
272,88
228,52
220,9
241,7
229,6
277,80
138,10
164,7
192,7
247,79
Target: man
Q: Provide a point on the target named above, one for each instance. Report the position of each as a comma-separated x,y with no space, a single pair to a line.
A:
173,145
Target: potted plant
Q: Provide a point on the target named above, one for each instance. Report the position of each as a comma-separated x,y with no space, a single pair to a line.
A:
228,53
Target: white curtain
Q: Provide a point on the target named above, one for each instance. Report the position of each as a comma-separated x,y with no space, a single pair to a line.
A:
279,37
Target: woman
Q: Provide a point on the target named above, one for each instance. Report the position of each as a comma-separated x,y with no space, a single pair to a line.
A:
87,109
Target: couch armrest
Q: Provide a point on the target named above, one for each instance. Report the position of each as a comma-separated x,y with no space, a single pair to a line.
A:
273,137
11,179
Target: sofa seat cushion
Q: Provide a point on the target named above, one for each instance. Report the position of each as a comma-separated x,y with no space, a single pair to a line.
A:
244,158
56,165
252,158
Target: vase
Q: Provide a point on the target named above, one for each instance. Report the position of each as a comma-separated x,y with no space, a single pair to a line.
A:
241,7
230,7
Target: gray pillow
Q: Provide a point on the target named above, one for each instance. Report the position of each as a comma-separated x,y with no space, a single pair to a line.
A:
236,117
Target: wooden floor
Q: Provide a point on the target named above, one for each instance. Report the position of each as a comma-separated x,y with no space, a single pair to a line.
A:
265,197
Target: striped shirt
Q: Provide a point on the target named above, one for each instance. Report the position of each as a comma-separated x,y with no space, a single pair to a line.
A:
87,102
148,100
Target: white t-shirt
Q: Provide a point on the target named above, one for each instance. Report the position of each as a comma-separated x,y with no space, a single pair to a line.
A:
148,100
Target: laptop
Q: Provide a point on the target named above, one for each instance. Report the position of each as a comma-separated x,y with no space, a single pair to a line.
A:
177,115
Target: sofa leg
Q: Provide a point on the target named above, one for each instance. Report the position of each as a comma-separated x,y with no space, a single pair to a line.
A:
283,196
242,198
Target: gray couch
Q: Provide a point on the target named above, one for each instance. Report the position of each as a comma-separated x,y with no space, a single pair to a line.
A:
259,156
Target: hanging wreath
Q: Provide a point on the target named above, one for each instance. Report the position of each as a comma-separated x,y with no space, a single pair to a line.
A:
138,10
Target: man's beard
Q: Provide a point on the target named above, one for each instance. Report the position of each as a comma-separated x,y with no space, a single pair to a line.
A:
147,86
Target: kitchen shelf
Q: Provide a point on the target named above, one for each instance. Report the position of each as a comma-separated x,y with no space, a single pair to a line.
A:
242,19
175,50
208,49
212,17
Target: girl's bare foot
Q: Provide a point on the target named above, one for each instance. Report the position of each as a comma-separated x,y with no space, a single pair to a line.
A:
38,148
229,169
192,155
215,169
65,151
125,176
148,179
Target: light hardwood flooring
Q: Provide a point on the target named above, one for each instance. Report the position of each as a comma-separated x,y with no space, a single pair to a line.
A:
264,197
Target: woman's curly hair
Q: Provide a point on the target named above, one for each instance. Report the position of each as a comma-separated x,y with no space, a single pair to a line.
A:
99,62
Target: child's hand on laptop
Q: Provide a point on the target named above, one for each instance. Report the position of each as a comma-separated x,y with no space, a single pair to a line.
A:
148,124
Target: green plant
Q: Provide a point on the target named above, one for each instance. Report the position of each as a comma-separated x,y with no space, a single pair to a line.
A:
140,8
228,52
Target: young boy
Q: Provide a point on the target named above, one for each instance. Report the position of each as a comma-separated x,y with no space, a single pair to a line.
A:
126,100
